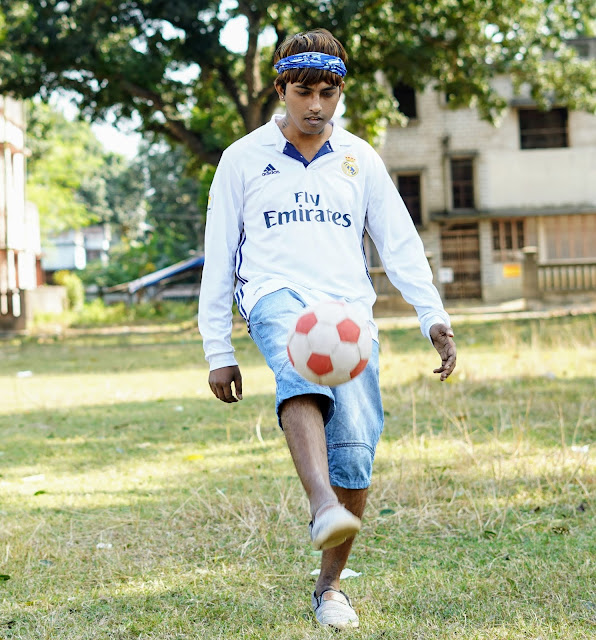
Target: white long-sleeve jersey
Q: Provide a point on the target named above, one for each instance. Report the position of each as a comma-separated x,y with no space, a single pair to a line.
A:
273,223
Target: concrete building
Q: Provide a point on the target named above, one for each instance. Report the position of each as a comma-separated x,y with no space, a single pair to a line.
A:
497,205
76,248
20,250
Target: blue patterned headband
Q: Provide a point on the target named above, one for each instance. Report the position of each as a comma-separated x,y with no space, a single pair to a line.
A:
312,60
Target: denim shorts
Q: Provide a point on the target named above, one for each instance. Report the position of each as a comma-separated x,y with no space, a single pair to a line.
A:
352,412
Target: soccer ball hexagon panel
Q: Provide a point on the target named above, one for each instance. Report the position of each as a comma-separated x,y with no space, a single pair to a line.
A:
330,343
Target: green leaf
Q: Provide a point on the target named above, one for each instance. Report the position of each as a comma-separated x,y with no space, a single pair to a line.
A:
189,87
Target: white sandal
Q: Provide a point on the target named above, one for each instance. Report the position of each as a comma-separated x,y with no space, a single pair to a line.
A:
334,609
333,524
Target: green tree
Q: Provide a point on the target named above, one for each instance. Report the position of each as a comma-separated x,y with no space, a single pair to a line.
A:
73,181
64,176
130,56
169,226
176,198
155,203
125,194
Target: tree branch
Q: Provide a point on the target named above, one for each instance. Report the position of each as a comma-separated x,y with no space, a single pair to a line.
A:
252,68
173,125
231,87
268,106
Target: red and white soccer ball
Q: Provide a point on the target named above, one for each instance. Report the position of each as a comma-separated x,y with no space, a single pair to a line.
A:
330,343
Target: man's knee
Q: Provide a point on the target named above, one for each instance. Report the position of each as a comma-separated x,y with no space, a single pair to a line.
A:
303,407
350,465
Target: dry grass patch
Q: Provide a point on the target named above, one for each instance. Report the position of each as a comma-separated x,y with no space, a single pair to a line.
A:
133,505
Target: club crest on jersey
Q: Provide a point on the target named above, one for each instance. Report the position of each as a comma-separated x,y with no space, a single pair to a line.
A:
349,166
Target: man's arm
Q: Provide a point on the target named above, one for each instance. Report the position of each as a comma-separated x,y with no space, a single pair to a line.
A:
401,250
402,253
442,339
220,381
222,235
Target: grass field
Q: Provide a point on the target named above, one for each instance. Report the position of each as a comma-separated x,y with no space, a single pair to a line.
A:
134,505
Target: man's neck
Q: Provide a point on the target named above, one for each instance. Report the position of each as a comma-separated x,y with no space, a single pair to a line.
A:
307,144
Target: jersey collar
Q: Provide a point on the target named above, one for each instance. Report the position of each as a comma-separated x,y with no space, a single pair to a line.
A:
271,135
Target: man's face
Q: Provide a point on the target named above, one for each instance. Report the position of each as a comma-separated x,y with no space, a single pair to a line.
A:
310,107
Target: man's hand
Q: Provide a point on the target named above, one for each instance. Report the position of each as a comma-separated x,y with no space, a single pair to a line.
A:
442,337
220,381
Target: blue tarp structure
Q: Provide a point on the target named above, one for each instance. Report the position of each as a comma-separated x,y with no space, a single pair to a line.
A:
159,276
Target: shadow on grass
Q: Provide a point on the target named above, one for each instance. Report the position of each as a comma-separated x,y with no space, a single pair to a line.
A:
96,436
90,352
111,354
215,549
424,595
548,408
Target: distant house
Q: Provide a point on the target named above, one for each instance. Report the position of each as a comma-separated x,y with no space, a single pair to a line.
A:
74,249
494,203
20,250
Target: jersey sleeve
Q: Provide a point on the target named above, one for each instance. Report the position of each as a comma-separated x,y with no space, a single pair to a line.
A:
222,234
401,250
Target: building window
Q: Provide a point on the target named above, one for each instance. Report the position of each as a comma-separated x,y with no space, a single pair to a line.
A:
543,129
582,48
508,239
94,254
406,96
409,188
569,237
462,183
448,97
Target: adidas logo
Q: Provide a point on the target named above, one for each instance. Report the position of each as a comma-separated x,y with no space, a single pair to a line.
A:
269,170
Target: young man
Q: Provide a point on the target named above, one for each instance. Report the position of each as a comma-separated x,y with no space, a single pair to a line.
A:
289,206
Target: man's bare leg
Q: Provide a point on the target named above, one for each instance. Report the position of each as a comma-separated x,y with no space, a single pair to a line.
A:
335,559
305,434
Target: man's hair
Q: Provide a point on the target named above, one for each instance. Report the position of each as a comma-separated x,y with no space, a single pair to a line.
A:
319,40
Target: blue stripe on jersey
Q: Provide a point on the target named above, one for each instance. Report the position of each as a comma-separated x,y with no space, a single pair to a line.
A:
239,257
239,296
290,150
364,256
238,303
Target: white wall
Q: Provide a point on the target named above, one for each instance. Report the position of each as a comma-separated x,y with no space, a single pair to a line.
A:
538,178
12,174
19,222
505,175
56,258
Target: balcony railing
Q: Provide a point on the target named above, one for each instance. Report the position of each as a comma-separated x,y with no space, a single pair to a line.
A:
567,277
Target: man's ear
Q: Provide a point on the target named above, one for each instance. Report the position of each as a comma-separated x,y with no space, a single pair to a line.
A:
281,93
341,87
